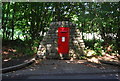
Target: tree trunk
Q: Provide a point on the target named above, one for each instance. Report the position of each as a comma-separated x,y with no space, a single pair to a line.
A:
118,40
13,17
4,20
57,10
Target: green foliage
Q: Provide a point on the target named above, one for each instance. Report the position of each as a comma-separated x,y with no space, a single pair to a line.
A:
23,49
32,18
91,43
94,47
82,57
98,48
28,51
90,53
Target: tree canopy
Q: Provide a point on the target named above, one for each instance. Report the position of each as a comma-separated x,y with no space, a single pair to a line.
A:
30,20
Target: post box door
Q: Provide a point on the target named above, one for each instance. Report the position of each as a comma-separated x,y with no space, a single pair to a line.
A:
63,40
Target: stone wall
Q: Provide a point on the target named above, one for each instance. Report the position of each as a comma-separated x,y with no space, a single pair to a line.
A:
48,46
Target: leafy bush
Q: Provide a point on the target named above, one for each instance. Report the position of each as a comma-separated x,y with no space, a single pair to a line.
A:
99,48
94,47
91,43
90,52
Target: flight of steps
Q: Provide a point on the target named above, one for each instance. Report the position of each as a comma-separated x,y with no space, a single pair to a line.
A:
48,46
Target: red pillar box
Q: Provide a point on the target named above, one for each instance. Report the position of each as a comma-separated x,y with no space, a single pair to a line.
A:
63,40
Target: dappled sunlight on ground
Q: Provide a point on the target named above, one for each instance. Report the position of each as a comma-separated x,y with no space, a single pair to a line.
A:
74,68
90,64
83,62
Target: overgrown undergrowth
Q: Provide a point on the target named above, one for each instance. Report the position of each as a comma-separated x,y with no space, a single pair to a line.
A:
100,48
17,48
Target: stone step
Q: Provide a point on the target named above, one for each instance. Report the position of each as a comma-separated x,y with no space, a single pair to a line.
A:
56,26
76,39
51,35
75,36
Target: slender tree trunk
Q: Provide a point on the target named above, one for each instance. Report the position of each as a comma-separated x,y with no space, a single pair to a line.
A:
92,26
12,28
57,10
83,26
32,21
102,33
118,41
4,21
13,23
118,38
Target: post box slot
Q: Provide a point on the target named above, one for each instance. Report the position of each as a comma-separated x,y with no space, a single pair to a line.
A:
63,31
